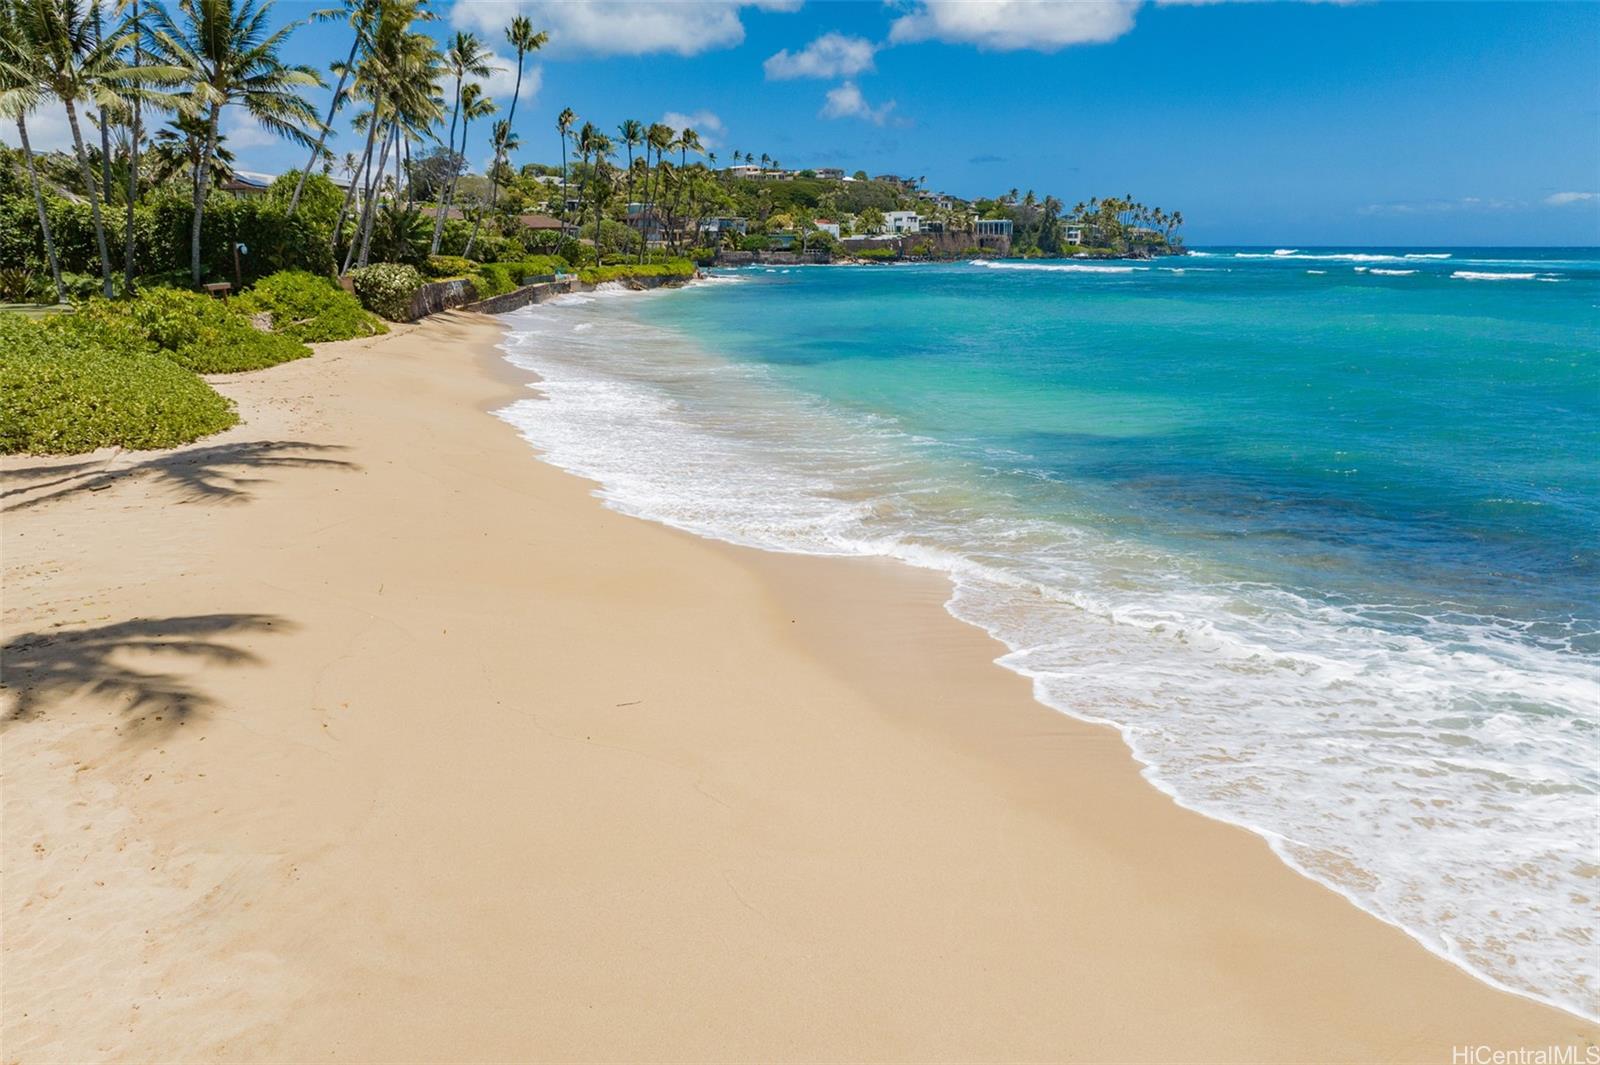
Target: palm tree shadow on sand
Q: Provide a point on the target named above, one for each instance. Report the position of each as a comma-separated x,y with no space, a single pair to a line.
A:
41,669
219,473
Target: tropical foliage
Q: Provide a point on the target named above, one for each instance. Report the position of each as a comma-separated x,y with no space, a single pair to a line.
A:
310,309
61,395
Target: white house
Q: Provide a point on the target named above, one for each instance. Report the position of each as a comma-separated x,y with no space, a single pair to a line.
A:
745,170
827,226
902,222
993,227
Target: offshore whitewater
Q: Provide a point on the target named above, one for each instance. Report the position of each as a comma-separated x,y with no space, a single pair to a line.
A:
1317,529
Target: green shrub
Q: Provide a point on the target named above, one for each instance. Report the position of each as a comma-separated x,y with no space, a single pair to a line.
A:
309,308
676,269
441,266
60,395
494,279
197,332
876,253
19,284
542,265
387,289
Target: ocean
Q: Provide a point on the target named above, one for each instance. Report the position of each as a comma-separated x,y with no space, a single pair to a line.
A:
1318,530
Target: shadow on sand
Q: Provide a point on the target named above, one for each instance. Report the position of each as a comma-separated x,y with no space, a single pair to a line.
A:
43,668
219,473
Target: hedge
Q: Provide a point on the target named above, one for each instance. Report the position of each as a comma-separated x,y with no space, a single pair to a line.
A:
161,237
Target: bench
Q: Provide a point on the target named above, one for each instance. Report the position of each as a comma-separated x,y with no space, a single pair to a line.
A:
218,288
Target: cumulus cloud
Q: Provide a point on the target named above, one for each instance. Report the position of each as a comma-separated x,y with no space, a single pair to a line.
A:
846,101
620,27
503,80
705,123
833,55
1009,25
1566,199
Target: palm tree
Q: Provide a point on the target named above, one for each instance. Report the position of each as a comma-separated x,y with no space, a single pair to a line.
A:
360,14
564,123
74,64
176,149
632,133
402,71
601,147
505,142
467,55
660,138
19,94
520,34
230,57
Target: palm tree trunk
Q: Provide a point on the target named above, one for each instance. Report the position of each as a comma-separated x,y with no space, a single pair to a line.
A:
370,215
649,204
355,181
597,206
38,202
133,161
562,212
322,135
449,186
94,196
105,160
202,186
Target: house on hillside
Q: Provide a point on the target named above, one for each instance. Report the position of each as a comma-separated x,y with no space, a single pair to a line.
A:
899,222
715,229
748,171
828,226
829,173
993,227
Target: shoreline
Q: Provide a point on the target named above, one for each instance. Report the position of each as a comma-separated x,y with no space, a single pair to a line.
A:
999,651
516,775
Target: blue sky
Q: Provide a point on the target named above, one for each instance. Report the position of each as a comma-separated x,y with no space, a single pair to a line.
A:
1365,123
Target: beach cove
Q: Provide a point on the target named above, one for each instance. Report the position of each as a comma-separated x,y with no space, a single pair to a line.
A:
356,733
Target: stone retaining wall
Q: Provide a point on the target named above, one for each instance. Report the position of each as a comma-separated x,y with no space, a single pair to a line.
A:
535,293
439,296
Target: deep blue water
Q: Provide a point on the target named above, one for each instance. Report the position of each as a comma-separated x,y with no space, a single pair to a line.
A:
1318,529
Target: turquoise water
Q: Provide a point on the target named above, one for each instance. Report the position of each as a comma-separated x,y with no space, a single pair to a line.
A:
1317,529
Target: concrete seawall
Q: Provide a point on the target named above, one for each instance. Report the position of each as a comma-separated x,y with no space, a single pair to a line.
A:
521,297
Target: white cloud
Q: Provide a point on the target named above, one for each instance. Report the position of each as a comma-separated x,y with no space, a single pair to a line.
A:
620,27
47,129
1477,204
846,101
1008,25
503,80
705,123
1566,199
833,55
242,131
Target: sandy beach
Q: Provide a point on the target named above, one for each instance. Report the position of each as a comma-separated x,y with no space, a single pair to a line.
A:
356,733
